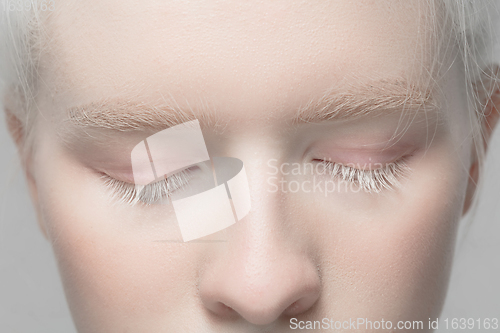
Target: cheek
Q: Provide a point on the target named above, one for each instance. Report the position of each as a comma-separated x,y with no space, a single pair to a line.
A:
391,250
113,267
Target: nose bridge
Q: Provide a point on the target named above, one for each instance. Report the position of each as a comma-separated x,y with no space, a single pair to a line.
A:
262,273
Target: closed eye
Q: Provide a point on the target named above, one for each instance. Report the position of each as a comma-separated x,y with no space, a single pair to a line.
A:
385,177
149,194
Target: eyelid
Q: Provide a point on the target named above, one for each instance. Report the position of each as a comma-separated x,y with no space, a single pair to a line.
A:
138,178
372,180
127,192
362,156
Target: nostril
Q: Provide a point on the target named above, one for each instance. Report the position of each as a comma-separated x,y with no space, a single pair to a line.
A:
293,308
226,308
223,310
297,307
303,304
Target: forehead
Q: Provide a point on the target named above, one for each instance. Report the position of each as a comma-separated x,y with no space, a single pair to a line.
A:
231,50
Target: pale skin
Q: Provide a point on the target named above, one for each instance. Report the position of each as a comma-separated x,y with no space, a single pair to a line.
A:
252,66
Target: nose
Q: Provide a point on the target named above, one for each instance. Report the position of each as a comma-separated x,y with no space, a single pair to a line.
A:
260,279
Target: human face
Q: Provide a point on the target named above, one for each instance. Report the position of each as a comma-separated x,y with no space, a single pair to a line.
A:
245,70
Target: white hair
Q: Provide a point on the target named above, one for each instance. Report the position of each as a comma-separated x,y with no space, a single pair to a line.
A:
20,49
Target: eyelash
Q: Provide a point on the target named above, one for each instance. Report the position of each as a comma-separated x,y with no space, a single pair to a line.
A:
375,181
150,194
371,181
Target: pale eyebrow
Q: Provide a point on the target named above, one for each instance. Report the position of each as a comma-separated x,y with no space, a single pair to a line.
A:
381,97
125,116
